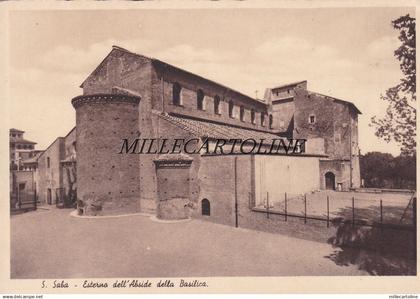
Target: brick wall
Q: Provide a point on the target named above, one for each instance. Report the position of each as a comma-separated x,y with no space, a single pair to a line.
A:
332,122
108,182
134,73
341,171
216,181
217,171
190,84
173,185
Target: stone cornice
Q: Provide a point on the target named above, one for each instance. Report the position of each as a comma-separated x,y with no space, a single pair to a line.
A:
173,161
104,99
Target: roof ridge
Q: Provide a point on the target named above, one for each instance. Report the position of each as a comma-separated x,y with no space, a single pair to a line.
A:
215,130
336,99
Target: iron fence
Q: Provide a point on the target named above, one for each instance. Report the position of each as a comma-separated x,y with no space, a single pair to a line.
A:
360,212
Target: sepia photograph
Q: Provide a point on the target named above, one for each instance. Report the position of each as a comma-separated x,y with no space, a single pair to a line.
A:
160,148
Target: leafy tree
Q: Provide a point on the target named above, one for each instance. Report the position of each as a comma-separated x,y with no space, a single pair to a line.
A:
376,168
382,170
405,172
399,123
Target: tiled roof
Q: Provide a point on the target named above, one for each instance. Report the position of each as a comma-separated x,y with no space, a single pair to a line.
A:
202,128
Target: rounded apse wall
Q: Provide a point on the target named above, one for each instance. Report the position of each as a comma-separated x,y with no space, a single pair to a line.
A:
107,182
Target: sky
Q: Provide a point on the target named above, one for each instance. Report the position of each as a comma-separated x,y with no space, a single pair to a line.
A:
343,52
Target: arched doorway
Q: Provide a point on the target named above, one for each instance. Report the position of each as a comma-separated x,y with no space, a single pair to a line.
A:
205,207
330,181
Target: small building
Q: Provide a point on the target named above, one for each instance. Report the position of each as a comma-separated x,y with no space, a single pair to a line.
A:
22,178
56,171
307,114
20,148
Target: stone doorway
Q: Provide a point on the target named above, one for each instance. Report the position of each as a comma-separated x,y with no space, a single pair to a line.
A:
330,181
49,196
205,207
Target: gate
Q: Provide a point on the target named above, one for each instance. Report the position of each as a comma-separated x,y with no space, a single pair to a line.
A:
22,200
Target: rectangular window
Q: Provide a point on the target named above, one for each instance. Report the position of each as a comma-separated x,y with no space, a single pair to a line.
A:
337,137
242,114
176,94
48,162
253,117
311,119
216,105
231,109
200,100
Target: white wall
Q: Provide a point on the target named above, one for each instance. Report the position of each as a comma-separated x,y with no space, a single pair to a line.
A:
280,174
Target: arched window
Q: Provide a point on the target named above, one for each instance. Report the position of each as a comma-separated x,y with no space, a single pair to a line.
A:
176,94
262,119
231,109
242,113
270,121
330,181
200,100
216,105
205,207
253,116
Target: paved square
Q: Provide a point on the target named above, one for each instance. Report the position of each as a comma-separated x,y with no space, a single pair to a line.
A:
52,244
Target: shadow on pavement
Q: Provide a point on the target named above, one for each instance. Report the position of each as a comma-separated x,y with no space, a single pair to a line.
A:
380,250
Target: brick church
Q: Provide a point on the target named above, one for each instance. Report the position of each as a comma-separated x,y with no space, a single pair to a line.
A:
132,96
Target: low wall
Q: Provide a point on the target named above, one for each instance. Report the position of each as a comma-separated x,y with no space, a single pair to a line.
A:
235,190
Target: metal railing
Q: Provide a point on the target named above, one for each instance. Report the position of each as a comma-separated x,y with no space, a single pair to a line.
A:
373,210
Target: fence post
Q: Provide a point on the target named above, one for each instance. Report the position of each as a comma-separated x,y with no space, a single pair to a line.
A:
35,203
328,211
305,206
268,207
285,206
382,219
352,208
415,229
18,196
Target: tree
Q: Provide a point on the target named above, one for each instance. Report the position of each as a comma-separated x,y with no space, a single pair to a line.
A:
399,122
376,168
382,170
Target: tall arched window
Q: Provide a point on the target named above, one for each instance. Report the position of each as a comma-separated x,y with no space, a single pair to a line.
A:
270,121
176,94
242,114
231,109
262,119
253,116
200,100
205,207
216,105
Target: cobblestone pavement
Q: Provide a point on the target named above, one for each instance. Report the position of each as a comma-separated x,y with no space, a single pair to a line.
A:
52,244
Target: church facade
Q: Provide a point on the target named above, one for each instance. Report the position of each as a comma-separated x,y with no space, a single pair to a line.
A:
130,96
